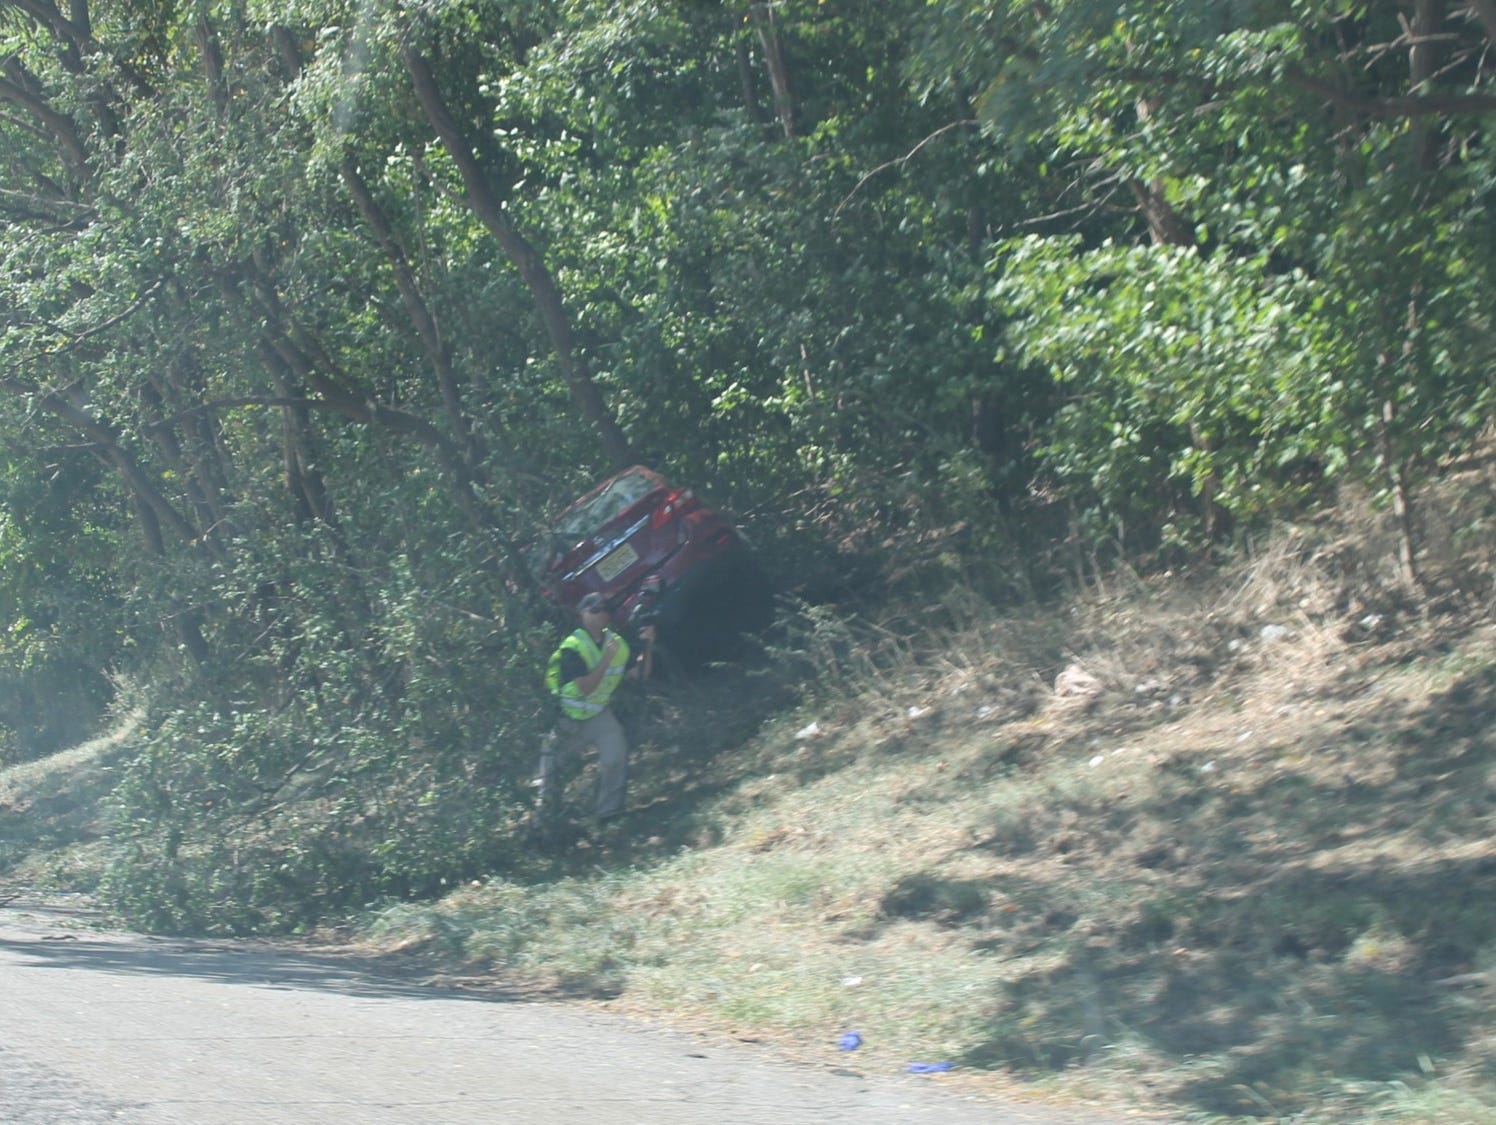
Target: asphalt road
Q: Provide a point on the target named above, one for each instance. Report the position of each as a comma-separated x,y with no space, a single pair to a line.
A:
109,1027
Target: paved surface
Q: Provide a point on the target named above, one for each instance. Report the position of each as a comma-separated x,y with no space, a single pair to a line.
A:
106,1027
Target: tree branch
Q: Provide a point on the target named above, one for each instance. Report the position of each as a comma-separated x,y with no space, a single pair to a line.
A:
1412,105
485,203
217,404
1484,13
901,160
18,88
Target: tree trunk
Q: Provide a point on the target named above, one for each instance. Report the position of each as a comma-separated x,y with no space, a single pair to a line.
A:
484,201
747,85
1402,504
437,349
762,15
1165,225
1425,54
152,509
199,479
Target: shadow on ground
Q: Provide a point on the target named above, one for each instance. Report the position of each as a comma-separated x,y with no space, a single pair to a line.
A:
1287,923
66,938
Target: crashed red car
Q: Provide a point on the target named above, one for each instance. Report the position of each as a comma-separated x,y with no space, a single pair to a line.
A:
655,551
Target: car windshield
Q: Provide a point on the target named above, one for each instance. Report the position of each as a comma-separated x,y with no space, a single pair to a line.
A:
617,497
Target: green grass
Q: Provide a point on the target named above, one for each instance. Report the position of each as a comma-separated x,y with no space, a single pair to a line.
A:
50,812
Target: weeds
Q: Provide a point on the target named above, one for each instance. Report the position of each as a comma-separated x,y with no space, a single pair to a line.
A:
1246,875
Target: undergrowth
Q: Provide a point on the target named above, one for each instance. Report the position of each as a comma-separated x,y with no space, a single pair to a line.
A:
1217,846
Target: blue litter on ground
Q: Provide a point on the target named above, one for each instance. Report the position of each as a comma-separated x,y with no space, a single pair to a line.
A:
849,1042
929,1068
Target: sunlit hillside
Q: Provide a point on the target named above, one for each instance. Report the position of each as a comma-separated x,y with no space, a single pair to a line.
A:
1210,845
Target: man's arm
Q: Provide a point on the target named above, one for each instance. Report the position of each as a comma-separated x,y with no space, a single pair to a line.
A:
643,654
587,682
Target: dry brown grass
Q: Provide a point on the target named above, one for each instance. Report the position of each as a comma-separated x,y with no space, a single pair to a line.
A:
1242,865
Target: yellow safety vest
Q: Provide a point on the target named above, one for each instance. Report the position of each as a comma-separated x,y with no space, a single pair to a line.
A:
575,705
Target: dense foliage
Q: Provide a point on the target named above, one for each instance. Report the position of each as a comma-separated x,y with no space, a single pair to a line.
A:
313,310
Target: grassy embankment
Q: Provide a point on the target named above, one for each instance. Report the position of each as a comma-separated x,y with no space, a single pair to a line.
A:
1239,862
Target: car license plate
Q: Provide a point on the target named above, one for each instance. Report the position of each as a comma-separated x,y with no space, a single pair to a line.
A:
616,563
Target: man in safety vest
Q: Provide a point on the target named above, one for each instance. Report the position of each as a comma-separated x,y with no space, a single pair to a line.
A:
583,673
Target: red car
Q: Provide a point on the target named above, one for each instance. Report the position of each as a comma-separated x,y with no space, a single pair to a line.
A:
655,551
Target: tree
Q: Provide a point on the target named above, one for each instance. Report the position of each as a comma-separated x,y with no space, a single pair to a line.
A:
484,200
1283,130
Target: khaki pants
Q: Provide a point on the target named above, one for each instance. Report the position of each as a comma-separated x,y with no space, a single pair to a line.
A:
561,755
